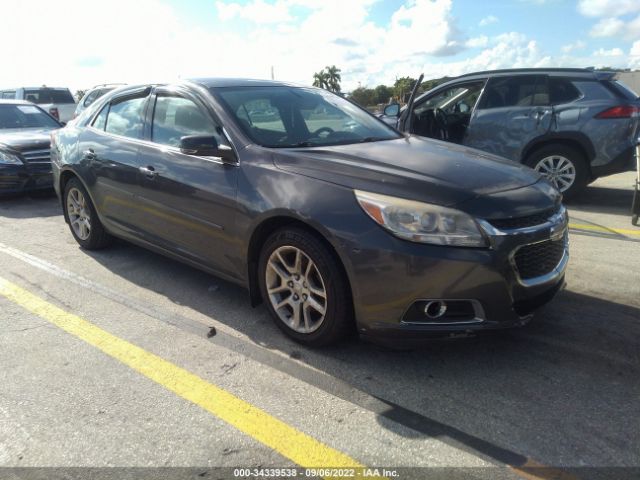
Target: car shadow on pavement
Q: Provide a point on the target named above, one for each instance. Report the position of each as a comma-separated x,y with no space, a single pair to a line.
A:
30,205
562,390
616,201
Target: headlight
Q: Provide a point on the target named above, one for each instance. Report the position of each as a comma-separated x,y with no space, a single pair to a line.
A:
9,158
422,222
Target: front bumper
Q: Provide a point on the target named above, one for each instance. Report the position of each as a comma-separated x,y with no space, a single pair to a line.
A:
15,179
387,281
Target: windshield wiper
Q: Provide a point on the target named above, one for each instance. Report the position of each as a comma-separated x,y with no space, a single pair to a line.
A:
372,139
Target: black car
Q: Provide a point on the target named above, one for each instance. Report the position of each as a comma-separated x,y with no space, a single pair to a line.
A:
25,131
332,218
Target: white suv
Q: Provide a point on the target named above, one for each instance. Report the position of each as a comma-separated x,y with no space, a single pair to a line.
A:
58,102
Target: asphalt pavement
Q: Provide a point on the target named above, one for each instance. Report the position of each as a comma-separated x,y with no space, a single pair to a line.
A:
126,361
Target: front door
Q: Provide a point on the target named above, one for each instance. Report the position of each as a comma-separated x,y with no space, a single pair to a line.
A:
189,201
512,111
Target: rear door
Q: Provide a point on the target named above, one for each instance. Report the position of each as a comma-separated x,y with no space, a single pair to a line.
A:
109,149
512,111
189,201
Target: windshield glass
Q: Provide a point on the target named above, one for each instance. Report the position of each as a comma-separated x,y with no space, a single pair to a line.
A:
282,116
25,116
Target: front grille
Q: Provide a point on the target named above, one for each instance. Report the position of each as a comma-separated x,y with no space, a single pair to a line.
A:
524,222
37,157
539,259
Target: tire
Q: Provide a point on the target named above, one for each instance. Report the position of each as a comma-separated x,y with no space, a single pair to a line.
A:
78,206
567,158
297,288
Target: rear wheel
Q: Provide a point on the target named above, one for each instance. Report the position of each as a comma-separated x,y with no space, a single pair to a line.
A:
563,166
304,288
83,220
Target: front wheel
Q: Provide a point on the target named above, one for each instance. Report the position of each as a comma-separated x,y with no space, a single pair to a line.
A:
304,288
563,166
83,220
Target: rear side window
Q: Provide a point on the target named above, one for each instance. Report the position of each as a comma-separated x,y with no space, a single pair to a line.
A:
9,94
177,117
125,117
561,90
517,91
48,95
594,90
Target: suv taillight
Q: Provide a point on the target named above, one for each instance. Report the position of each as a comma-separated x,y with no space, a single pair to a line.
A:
54,113
621,111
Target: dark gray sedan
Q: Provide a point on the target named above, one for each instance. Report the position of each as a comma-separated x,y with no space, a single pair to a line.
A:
332,218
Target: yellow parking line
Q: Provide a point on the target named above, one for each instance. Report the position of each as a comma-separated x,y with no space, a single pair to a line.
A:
598,228
275,434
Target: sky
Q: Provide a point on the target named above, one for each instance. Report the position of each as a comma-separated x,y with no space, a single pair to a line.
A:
81,43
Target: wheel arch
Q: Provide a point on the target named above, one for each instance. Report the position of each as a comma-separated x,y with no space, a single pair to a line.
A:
575,140
67,174
275,222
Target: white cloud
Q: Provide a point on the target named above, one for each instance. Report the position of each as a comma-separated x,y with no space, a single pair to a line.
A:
634,54
614,52
257,11
154,42
570,47
488,20
607,27
602,8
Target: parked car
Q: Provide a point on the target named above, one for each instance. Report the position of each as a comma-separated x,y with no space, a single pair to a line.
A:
93,94
25,131
58,102
571,125
394,235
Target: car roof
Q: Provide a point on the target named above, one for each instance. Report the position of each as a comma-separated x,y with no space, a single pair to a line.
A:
239,82
9,101
574,72
41,87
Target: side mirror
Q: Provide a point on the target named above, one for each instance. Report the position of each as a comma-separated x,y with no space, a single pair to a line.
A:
392,110
206,146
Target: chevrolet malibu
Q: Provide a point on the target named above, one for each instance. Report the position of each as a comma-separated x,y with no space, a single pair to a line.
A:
333,219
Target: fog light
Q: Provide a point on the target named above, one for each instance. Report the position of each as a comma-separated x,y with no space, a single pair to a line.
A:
435,309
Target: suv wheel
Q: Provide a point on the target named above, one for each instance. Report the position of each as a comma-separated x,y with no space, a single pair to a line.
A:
305,290
83,220
563,166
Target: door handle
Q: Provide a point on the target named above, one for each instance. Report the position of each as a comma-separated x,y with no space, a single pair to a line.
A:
89,154
148,172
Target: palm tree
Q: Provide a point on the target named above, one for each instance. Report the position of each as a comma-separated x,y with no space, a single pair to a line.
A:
333,78
321,79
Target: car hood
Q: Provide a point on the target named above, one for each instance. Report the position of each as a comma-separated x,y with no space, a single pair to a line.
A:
25,139
410,167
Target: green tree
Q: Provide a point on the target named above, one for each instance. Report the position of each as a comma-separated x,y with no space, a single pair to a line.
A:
383,94
80,94
402,88
321,79
365,97
333,78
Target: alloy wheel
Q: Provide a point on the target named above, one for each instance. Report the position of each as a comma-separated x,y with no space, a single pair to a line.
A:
558,170
78,213
296,289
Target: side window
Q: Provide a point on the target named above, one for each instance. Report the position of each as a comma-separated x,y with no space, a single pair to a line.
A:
517,91
101,120
177,117
261,114
561,90
125,117
455,99
9,94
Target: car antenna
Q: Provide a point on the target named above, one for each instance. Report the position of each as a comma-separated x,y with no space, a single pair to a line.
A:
406,121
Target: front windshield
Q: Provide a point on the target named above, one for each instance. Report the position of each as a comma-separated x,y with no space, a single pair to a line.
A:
281,117
25,116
